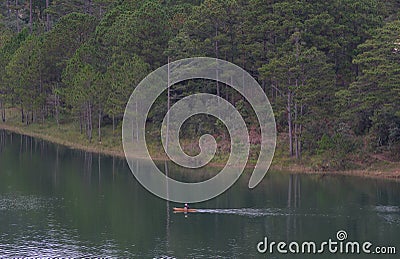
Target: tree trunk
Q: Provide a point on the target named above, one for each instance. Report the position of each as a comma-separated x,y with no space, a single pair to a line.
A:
272,92
296,137
300,129
22,114
90,125
137,123
295,103
86,119
56,106
47,16
289,110
16,16
168,107
113,122
3,112
227,93
80,122
263,86
232,92
99,125
1,108
43,113
8,9
217,55
90,6
243,87
218,93
290,191
30,15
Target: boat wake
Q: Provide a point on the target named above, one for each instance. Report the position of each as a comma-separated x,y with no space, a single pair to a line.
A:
245,212
249,212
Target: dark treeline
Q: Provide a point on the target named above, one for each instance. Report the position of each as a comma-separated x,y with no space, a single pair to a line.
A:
330,69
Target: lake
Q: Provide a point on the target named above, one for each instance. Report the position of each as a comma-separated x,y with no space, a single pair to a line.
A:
58,202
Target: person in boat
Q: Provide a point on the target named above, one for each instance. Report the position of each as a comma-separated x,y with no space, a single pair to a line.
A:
186,207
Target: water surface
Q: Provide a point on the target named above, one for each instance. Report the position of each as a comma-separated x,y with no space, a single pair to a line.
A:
57,202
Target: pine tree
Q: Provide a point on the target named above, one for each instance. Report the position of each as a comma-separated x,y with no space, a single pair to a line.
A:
377,89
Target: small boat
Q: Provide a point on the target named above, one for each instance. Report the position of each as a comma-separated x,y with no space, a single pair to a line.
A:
184,210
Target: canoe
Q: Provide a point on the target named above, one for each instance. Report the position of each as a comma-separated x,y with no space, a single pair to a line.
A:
184,210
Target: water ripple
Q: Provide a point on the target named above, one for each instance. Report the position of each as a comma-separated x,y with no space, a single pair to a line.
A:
14,202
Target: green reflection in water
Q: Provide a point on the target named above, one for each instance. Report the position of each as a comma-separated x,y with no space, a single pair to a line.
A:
60,202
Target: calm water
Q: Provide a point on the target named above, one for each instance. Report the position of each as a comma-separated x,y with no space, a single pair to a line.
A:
60,202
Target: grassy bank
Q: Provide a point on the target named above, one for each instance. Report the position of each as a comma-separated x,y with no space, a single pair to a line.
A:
68,134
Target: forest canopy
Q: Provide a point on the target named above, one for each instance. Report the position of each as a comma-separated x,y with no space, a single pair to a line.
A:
330,70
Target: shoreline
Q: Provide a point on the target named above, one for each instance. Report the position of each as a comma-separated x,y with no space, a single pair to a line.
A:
389,174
